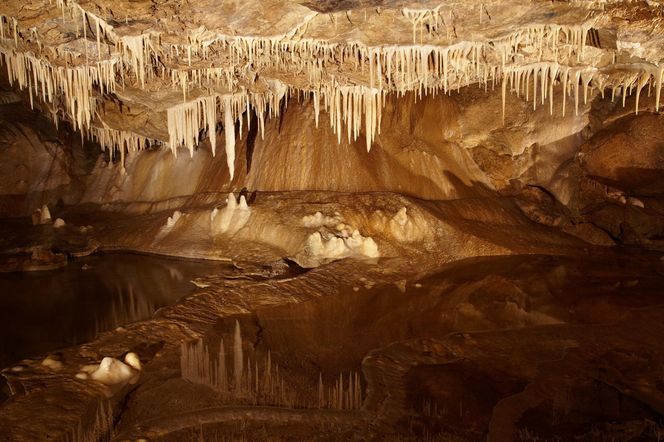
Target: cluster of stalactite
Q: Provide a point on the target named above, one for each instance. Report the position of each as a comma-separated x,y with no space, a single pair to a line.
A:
76,84
218,74
625,79
119,141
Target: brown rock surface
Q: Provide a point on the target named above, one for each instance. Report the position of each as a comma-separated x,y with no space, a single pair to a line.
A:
414,202
629,154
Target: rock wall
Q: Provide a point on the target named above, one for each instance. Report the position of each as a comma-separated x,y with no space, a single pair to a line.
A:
38,165
435,147
415,154
596,174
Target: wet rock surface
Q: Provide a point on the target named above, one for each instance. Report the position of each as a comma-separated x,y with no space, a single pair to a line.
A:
487,347
432,221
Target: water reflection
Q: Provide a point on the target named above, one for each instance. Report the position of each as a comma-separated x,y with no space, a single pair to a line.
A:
126,307
490,293
43,311
425,359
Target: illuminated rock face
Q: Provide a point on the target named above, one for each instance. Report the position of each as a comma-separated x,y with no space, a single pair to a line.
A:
438,101
129,75
365,166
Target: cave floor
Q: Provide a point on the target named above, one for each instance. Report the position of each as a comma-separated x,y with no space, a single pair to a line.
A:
524,347
474,323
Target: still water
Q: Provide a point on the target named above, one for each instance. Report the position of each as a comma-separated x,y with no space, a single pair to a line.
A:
44,311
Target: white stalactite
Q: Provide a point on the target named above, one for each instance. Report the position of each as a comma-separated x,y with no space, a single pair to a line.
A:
557,56
229,130
113,140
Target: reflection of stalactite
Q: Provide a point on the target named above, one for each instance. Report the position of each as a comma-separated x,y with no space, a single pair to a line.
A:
259,382
99,430
345,394
126,308
252,382
238,357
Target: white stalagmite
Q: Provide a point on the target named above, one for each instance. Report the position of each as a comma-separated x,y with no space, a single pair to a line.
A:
172,220
319,220
221,219
322,246
45,215
231,218
243,203
133,361
113,372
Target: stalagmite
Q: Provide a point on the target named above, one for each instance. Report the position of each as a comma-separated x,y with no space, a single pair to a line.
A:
172,220
45,215
230,219
113,372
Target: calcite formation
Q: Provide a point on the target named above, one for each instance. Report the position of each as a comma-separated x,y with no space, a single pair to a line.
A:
380,160
193,67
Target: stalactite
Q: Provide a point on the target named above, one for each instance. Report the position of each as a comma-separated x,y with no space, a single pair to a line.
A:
347,104
183,125
659,78
75,83
420,18
314,55
209,111
230,68
229,130
137,50
113,140
624,77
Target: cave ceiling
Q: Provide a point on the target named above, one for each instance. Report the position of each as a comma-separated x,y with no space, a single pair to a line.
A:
129,74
